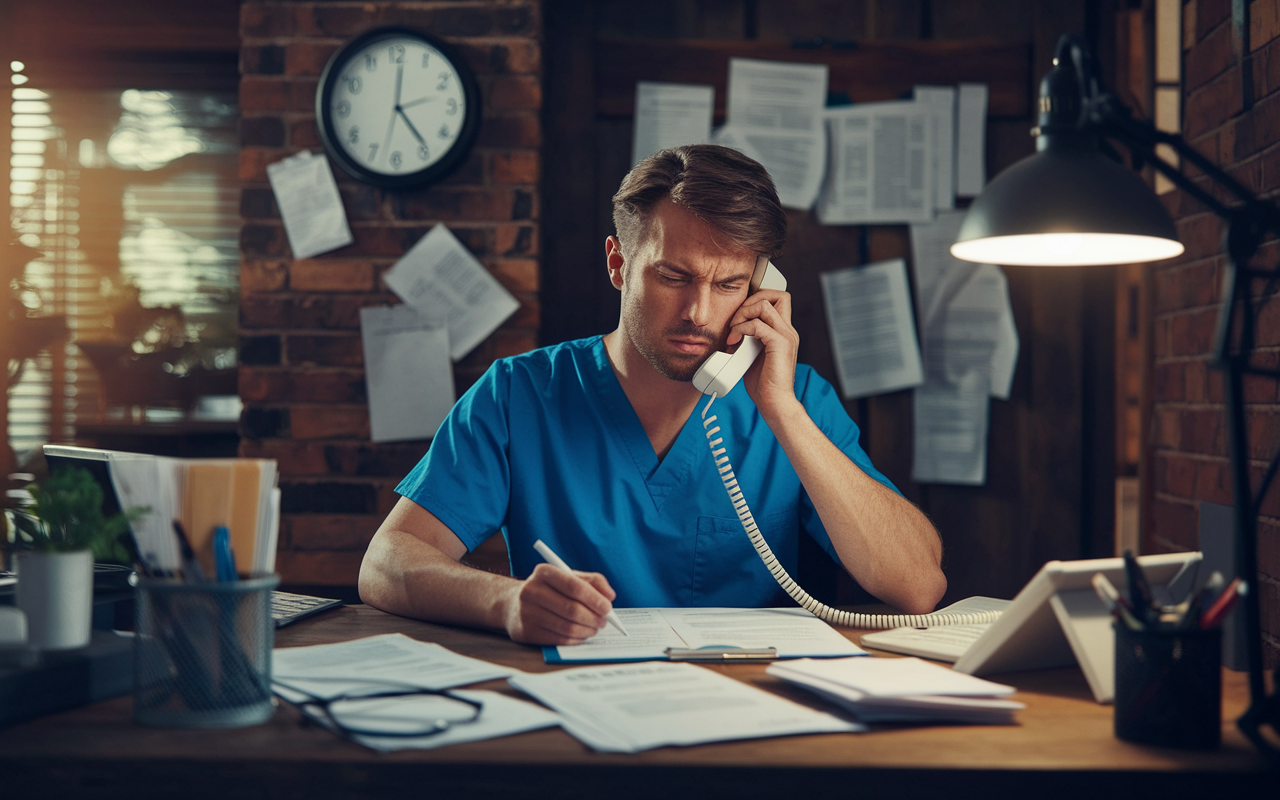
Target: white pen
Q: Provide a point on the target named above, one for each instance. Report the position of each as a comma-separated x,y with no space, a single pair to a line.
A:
556,561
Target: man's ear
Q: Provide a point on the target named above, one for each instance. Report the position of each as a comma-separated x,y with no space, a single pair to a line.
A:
614,260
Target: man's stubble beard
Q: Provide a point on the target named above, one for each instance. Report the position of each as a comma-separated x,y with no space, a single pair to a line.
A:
672,368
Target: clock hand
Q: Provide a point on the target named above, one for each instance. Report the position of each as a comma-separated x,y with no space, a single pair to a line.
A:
412,129
399,82
386,144
417,102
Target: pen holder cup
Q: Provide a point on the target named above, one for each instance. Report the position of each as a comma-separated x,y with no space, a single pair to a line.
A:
202,653
1169,687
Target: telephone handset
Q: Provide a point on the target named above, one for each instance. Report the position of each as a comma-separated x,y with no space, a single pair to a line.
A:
722,371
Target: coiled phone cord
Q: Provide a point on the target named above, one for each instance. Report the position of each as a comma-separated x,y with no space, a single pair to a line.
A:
848,619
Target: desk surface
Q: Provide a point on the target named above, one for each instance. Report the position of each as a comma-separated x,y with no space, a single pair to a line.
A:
1062,746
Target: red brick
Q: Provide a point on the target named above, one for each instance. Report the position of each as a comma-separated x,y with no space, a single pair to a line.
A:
1208,58
516,166
292,458
254,161
304,135
308,58
259,94
302,94
1203,432
264,311
1167,428
514,241
1264,22
1192,333
1209,15
1264,433
332,531
515,93
329,422
1167,381
1175,474
335,312
510,130
1213,104
1201,234
1160,337
1175,523
447,205
331,275
265,385
262,276
365,459
516,274
528,316
341,350
1213,481
265,20
319,567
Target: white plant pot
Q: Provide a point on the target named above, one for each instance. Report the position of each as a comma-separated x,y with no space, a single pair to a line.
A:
55,591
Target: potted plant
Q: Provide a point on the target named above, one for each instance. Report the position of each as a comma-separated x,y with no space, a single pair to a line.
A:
54,539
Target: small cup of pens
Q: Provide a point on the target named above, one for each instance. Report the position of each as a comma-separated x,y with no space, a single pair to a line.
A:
1168,667
202,645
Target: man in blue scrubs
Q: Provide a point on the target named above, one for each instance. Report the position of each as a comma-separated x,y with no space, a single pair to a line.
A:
597,446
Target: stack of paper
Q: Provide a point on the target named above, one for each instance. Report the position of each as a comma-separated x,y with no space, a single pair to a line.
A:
626,709
902,690
393,660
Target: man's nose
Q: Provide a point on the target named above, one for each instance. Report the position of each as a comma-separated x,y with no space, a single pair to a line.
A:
698,305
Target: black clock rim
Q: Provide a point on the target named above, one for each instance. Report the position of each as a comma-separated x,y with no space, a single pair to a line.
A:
431,174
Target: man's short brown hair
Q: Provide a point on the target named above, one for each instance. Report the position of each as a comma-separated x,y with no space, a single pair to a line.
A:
722,187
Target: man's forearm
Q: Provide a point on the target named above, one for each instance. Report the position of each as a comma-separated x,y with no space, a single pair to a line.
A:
404,575
884,541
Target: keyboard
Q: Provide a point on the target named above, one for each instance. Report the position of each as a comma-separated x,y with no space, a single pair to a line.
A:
286,607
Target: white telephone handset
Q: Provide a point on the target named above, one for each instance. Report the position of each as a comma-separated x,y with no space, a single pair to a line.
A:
722,371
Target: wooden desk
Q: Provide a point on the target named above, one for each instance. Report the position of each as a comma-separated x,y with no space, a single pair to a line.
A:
1063,747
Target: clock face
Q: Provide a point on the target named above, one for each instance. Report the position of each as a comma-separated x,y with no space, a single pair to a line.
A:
395,108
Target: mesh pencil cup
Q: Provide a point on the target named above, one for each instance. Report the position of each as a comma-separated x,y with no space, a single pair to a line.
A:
202,653
1169,687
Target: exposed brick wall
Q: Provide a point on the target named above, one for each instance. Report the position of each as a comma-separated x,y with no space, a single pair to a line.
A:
1188,433
301,373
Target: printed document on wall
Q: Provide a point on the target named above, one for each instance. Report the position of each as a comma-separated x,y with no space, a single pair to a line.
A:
951,431
942,102
310,206
670,114
971,139
881,164
777,108
873,334
966,318
407,372
442,280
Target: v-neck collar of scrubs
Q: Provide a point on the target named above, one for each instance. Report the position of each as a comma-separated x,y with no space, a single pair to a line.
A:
660,477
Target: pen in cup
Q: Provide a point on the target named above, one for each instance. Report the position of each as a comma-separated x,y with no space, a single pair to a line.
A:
556,561
1107,591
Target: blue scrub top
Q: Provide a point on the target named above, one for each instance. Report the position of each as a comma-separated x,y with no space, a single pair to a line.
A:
547,446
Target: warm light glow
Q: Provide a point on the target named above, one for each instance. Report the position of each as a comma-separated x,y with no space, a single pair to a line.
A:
1067,249
17,66
17,79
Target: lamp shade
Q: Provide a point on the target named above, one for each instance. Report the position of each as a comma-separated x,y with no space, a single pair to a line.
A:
1066,206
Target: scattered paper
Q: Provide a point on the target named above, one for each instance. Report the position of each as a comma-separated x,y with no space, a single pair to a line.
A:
407,372
873,332
776,107
670,114
881,164
793,632
971,139
634,707
143,481
899,677
309,204
951,431
395,661
328,670
966,319
941,101
443,280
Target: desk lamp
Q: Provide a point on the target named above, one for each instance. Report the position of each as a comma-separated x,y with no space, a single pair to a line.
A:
1069,204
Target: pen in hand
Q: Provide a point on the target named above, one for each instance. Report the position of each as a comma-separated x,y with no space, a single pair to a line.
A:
557,561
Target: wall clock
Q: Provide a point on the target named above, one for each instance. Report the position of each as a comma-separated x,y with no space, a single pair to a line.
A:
397,108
